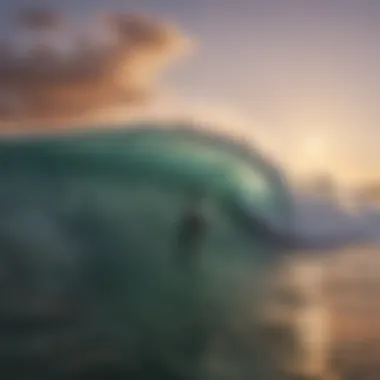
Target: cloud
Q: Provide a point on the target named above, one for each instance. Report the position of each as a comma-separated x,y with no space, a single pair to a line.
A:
54,69
38,18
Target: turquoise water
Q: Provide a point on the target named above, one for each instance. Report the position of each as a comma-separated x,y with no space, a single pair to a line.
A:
91,227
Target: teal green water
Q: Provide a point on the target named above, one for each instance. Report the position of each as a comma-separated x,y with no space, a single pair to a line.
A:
92,221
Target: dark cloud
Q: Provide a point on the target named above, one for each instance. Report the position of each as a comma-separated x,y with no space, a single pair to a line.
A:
37,18
63,71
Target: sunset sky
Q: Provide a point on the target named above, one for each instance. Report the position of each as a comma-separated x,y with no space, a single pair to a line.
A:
300,77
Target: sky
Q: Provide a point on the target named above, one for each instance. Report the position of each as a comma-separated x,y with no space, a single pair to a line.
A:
299,78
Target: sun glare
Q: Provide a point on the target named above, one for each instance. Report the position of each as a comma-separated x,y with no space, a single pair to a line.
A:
313,153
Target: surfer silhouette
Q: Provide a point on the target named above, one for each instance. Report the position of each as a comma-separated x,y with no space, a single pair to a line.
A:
192,227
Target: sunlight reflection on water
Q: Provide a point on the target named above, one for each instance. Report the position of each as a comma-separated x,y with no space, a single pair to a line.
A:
351,293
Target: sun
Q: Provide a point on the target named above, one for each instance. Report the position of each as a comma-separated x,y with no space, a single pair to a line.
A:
313,153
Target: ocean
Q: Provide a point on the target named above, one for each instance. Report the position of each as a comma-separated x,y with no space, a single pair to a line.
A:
351,291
